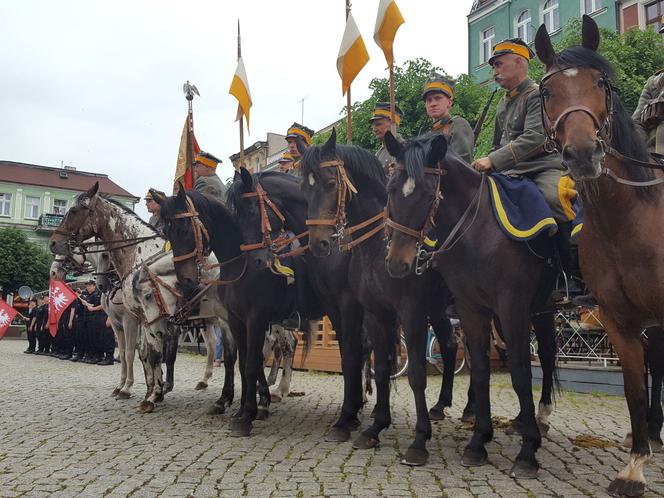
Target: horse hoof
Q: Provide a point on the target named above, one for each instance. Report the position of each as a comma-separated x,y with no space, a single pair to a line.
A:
275,398
474,459
240,428
115,392
415,457
200,386
623,487
338,435
123,395
217,409
468,418
437,413
262,414
365,442
524,470
146,406
159,397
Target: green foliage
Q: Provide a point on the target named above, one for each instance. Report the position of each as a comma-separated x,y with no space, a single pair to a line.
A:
22,262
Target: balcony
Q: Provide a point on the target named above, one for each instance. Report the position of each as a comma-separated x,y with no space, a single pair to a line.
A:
48,222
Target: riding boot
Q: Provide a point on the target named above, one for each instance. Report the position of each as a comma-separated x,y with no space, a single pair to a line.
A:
571,283
296,320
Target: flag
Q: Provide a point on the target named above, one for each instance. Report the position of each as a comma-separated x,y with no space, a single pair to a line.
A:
186,154
7,314
240,90
60,298
352,56
387,23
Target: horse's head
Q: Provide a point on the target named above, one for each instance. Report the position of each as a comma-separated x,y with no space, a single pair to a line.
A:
152,288
324,184
413,196
256,216
577,101
182,229
77,225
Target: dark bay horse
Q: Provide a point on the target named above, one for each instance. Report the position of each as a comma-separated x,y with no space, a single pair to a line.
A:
331,174
621,247
328,277
252,294
488,273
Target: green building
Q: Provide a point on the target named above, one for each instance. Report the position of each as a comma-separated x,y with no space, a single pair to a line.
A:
491,21
35,198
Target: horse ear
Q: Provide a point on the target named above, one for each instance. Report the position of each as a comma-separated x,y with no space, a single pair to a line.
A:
544,48
246,178
301,148
590,33
182,195
438,149
392,145
158,196
329,148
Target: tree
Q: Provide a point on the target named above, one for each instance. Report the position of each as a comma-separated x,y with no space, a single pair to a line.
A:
22,262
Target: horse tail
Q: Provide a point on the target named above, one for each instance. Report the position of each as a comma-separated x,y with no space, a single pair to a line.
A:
307,339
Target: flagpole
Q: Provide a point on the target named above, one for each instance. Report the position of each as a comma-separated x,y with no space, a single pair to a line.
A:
241,120
349,118
392,100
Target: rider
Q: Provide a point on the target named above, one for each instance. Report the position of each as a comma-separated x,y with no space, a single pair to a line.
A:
286,162
153,209
381,123
649,115
438,96
298,133
207,181
518,140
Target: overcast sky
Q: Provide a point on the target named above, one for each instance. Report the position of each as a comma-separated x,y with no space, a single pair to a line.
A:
98,85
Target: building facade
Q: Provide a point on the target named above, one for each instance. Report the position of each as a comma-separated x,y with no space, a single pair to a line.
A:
641,14
491,21
35,198
262,155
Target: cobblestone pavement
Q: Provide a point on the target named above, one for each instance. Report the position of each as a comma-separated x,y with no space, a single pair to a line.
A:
63,434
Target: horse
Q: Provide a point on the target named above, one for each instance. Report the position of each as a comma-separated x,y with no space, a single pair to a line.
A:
282,343
346,183
129,241
620,246
283,197
251,293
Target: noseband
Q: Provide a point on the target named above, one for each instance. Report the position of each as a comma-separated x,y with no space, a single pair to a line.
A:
199,232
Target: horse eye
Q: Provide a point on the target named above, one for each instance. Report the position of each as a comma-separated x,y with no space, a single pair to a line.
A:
545,92
331,184
148,295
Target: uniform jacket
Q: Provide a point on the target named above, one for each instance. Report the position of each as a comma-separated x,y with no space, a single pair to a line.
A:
459,134
384,157
211,185
653,89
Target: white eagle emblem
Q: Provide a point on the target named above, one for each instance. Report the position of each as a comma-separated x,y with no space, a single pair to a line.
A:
4,319
59,299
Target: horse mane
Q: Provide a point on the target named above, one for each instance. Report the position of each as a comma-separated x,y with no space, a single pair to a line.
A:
362,166
625,137
213,209
123,208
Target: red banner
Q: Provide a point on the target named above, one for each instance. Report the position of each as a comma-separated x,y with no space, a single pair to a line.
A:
7,314
60,298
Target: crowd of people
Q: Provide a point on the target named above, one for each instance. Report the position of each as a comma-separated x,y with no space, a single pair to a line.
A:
83,333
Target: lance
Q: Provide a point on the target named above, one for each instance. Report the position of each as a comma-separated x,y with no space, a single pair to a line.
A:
189,91
241,120
349,118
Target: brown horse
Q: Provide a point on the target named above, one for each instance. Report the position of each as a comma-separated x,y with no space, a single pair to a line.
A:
621,249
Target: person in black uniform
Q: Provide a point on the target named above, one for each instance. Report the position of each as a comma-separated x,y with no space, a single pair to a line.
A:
31,332
43,334
78,326
91,300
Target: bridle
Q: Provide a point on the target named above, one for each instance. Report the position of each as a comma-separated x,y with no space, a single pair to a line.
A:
423,257
603,130
199,252
345,191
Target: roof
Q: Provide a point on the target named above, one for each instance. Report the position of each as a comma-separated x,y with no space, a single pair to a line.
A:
45,176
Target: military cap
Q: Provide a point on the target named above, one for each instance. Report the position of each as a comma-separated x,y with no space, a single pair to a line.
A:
382,111
437,83
148,196
287,157
90,282
300,131
661,25
207,159
511,46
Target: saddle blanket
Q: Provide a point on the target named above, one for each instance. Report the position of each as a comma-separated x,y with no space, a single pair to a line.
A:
577,223
519,207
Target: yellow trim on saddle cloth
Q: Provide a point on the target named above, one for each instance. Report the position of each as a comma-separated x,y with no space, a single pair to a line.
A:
504,220
167,246
207,162
577,229
566,195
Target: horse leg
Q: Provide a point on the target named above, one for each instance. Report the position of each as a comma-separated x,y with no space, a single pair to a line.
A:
347,321
170,353
122,347
240,334
152,357
210,344
655,355
442,328
627,342
230,356
545,331
477,328
131,332
288,346
384,335
264,396
415,327
271,347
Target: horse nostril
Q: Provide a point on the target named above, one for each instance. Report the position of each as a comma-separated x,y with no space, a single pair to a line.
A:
324,244
569,154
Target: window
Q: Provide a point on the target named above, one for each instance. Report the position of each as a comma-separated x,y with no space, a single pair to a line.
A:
5,204
31,208
590,6
523,28
551,15
486,44
654,13
59,206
